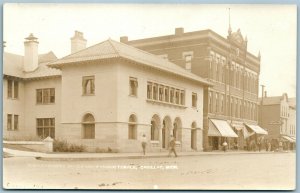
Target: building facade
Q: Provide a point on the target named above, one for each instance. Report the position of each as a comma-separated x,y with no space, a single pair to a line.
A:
227,64
278,116
106,96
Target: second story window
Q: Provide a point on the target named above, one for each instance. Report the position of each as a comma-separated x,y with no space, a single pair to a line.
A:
187,57
194,100
12,89
45,96
88,85
133,85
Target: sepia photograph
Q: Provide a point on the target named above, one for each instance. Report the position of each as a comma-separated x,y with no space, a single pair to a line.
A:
149,96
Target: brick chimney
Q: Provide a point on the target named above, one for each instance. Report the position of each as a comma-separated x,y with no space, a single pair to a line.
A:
77,42
179,31
31,58
124,39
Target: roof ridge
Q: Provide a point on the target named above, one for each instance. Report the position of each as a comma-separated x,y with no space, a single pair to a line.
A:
112,45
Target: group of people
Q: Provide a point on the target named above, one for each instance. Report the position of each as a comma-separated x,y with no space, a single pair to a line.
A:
172,145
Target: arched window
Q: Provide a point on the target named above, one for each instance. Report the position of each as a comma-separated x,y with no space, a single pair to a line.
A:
88,125
132,131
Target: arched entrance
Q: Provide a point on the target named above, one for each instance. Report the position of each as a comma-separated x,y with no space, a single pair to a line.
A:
167,125
88,126
177,129
155,126
194,136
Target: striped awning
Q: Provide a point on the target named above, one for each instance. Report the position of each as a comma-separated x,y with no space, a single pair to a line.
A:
257,129
220,128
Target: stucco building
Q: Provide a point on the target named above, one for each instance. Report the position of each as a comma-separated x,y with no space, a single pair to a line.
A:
104,96
230,106
278,115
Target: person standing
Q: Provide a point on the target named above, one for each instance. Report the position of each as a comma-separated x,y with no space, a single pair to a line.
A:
224,146
144,143
172,145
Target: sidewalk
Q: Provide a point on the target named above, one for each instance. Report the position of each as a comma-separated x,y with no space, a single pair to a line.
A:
57,156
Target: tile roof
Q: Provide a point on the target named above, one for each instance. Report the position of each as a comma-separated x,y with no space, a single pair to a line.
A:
13,66
113,49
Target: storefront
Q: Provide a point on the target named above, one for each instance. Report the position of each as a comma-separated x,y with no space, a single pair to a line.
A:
255,137
218,132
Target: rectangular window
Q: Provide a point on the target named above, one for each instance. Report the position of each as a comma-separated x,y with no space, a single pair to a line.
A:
16,122
88,85
210,102
155,92
45,127
133,84
194,100
172,95
167,94
222,103
161,92
9,88
9,122
177,97
182,97
217,102
16,89
45,96
149,90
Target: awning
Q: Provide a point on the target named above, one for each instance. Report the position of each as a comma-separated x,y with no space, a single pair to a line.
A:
220,128
294,138
288,138
257,129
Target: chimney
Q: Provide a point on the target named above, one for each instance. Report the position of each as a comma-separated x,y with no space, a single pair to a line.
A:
179,31
124,39
31,58
77,42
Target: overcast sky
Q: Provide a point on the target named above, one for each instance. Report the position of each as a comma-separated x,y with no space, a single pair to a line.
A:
271,29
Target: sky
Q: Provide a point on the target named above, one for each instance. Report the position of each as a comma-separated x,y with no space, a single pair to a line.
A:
270,29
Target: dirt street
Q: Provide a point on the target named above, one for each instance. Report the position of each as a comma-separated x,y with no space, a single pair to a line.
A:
240,171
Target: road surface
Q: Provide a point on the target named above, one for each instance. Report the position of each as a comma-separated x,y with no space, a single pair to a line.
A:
236,171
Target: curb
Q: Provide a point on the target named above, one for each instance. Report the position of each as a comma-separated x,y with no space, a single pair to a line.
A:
144,157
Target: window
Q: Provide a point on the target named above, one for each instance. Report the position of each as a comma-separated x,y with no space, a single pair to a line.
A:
187,57
9,122
133,86
88,125
167,94
132,130
12,122
182,97
45,127
188,60
177,97
222,103
12,89
16,122
210,102
155,92
9,88
149,90
172,95
217,102
88,85
194,100
161,92
45,96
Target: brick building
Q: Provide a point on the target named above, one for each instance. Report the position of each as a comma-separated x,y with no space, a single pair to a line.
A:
278,115
231,104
